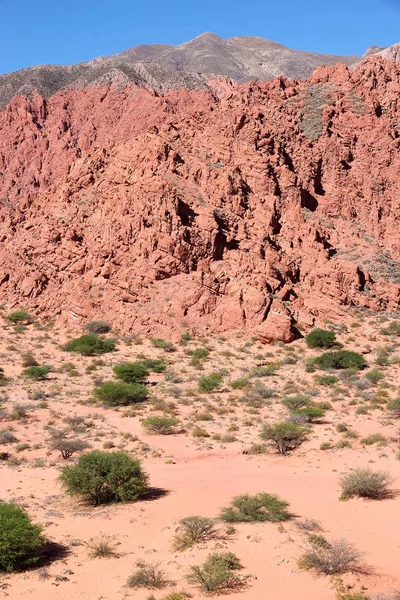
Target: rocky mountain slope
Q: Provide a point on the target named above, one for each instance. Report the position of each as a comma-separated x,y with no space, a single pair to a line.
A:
162,67
266,206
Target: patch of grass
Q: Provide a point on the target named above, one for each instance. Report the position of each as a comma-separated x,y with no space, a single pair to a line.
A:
374,438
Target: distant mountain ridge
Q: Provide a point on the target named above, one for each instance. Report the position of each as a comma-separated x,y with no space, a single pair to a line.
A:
163,67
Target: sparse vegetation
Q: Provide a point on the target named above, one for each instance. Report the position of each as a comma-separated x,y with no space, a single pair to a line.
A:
19,317
97,327
209,383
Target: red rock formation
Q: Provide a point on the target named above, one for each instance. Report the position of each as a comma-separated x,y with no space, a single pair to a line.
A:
256,206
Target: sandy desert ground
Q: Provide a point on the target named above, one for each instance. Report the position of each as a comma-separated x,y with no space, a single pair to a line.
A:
200,469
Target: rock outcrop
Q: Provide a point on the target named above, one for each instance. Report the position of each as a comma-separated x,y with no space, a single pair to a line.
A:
264,206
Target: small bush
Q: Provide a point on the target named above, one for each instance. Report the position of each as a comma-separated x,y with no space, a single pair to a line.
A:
309,413
257,449
326,380
261,507
68,447
374,438
19,316
20,540
148,576
163,344
286,436
105,477
365,483
101,547
320,338
28,360
89,345
97,327
216,573
161,425
134,372
334,558
193,530
155,365
209,383
7,437
374,376
296,402
36,373
394,408
121,394
239,384
341,359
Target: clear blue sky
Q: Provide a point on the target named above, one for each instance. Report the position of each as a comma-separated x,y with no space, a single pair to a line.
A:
67,31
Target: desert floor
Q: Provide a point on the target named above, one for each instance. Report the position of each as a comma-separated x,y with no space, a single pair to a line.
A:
198,470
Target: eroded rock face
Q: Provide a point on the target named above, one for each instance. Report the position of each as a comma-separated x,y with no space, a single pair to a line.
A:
254,206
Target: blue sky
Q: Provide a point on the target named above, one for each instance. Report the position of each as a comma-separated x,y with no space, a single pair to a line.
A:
68,31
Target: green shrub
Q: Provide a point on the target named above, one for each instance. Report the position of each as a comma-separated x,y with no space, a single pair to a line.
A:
134,372
200,353
334,558
149,576
19,316
121,394
161,425
296,402
216,574
286,436
365,483
239,384
209,383
89,345
97,327
20,539
193,530
36,373
394,408
163,344
341,359
326,380
104,477
374,376
67,447
257,449
264,371
261,507
309,413
155,365
320,338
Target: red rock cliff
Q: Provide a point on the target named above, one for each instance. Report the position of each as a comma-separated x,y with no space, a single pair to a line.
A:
257,206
